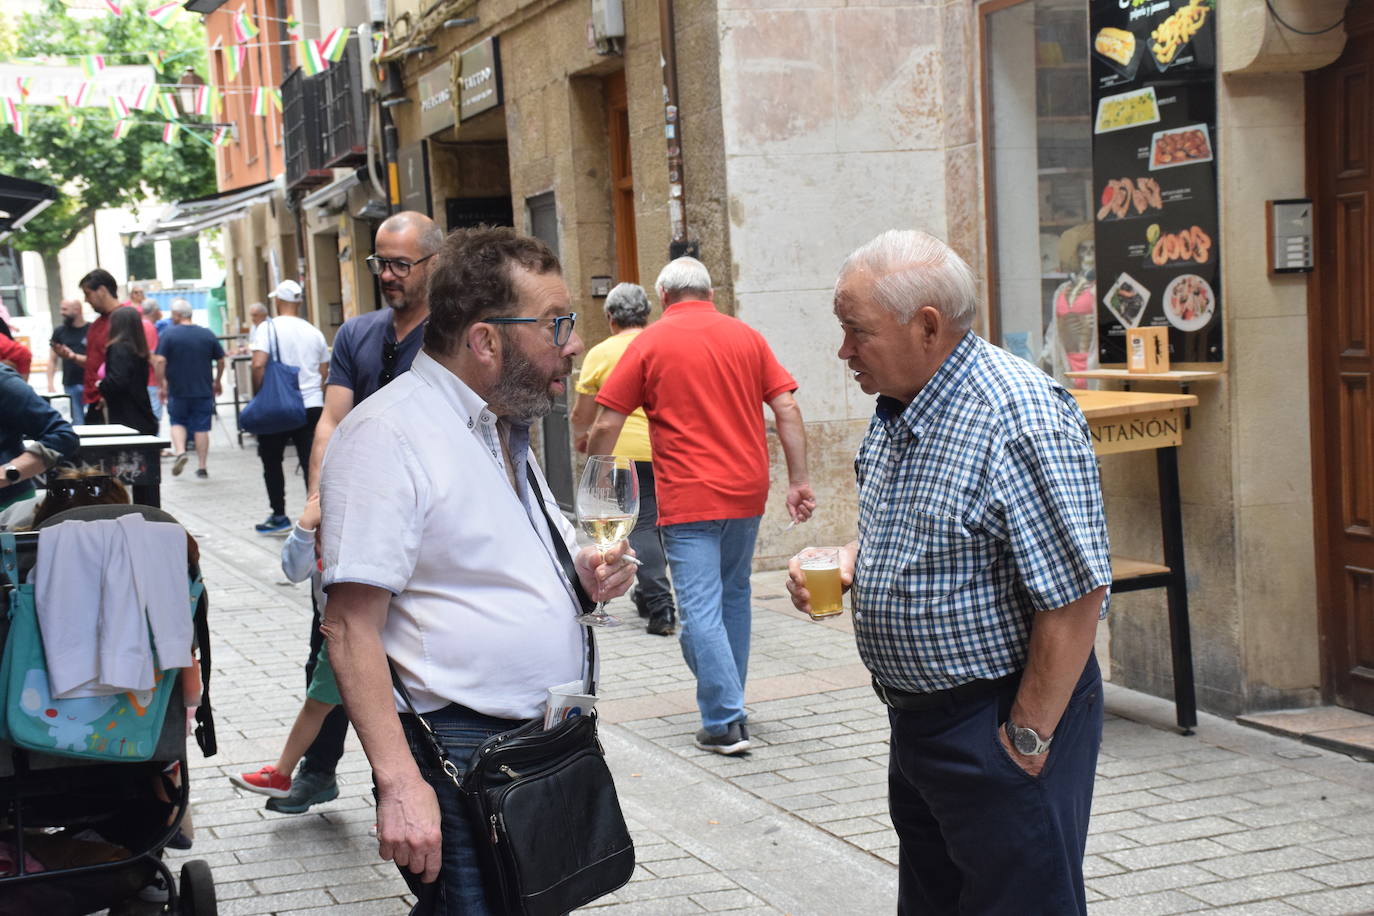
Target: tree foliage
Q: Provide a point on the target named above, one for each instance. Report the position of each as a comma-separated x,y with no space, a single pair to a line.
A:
91,169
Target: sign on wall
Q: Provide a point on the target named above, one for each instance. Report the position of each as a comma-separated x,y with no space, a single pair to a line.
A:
479,79
437,111
1155,175
412,167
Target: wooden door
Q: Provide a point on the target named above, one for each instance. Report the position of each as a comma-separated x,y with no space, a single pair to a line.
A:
1341,321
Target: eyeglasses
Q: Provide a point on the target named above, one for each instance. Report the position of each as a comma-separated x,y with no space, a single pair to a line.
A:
562,326
390,350
68,488
400,267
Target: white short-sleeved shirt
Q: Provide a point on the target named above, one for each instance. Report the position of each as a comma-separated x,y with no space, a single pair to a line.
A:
417,501
299,344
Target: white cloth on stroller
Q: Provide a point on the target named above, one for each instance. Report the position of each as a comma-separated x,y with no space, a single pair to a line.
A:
101,588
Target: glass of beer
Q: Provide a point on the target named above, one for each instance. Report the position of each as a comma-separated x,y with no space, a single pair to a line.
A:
821,569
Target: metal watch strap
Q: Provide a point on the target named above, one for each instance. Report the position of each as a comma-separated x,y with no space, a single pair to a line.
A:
1042,744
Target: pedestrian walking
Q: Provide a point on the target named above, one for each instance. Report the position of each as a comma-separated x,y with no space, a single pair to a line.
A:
101,294
369,351
702,378
627,313
68,344
152,314
296,342
33,439
185,354
449,569
123,386
978,577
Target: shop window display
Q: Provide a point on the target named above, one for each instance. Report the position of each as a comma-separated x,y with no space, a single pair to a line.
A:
1041,203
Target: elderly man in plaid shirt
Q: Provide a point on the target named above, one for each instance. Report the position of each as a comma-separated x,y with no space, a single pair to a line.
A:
979,575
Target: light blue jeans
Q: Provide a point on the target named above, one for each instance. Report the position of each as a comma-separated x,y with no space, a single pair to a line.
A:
155,401
711,564
78,409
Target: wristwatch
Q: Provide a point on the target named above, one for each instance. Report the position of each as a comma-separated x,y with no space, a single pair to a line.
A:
12,473
1027,741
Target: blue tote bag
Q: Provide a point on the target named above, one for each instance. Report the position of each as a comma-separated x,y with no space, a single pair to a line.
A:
278,406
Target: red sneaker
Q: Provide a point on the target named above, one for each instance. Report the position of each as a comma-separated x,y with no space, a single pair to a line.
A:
266,781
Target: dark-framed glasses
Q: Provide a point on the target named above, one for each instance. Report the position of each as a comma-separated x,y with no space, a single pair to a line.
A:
400,267
562,326
391,350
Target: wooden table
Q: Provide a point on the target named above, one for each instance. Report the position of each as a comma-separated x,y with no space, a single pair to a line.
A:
1132,421
135,460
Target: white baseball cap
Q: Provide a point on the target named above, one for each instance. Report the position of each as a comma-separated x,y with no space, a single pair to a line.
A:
287,291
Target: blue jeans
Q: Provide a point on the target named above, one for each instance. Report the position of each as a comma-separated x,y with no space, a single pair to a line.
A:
462,731
977,833
155,400
78,409
711,563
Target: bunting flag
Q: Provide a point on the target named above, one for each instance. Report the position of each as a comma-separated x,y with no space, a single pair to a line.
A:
234,57
114,7
147,97
332,46
24,83
216,103
155,59
121,128
82,97
119,108
293,27
274,96
169,132
163,13
312,59
221,136
202,106
243,27
16,116
91,64
167,106
259,102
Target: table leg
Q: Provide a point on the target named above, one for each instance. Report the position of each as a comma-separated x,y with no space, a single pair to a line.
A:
1180,630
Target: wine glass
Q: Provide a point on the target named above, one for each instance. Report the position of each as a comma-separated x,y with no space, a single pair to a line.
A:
607,509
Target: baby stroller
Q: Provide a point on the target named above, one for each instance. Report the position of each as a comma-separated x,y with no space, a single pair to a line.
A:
79,835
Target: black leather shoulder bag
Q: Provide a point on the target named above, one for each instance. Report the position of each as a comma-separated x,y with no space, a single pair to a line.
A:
546,818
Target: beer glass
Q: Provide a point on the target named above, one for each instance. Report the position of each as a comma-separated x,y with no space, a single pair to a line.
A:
607,509
821,569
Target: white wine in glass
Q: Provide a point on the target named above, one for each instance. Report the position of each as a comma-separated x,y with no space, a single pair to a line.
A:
607,509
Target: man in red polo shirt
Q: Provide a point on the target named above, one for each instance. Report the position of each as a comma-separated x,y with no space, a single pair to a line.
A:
101,292
702,378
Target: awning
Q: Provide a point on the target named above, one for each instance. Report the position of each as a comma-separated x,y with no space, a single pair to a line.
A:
20,201
332,194
187,217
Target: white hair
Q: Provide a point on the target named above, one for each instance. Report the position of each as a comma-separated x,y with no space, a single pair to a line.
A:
627,305
181,308
257,308
684,275
915,269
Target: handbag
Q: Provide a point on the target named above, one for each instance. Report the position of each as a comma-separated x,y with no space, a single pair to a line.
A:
117,727
278,406
546,818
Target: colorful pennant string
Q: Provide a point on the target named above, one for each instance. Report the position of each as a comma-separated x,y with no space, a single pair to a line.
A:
169,132
163,14
167,106
311,57
114,7
121,128
146,97
243,26
332,45
91,64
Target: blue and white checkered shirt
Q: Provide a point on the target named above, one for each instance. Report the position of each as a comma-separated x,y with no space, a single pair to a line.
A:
979,504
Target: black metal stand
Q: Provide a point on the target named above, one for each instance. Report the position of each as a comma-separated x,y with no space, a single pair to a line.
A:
1175,583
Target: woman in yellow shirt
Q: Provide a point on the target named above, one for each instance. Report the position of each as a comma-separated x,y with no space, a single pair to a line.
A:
627,311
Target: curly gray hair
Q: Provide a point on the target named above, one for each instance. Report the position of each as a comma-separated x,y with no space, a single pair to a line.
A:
628,305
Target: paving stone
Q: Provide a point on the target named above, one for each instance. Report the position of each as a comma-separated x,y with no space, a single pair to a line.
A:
1255,863
1344,874
1254,887
1149,881
1182,830
724,901
1342,902
1143,857
1161,904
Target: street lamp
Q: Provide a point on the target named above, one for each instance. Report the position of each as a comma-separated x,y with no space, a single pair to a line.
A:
187,84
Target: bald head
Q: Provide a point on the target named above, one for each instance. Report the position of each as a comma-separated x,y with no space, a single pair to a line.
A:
410,223
405,244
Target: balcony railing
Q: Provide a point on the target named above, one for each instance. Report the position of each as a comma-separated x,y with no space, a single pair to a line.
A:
344,127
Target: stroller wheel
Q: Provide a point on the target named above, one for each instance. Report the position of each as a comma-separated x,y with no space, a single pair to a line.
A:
197,896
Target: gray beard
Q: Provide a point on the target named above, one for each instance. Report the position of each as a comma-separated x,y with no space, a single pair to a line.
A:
521,391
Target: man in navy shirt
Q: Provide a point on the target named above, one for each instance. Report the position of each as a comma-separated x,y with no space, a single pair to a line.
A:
369,351
182,363
26,416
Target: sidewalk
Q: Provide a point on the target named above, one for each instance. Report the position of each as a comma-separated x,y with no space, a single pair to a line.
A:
1230,820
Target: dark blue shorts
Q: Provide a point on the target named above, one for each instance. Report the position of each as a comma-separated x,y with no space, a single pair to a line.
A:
192,413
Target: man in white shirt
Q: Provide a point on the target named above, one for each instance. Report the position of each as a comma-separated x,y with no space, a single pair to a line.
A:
298,343
449,569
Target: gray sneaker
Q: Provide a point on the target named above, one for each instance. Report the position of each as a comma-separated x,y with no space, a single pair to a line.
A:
307,789
734,741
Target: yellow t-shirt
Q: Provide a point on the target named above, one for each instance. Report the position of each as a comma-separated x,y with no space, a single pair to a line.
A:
596,369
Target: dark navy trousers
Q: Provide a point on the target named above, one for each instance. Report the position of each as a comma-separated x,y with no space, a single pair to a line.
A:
979,836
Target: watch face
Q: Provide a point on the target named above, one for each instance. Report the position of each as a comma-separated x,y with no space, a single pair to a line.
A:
1025,741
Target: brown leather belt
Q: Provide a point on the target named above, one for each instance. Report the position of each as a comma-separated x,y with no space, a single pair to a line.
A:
915,702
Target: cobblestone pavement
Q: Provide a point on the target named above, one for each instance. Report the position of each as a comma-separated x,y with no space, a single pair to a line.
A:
1228,820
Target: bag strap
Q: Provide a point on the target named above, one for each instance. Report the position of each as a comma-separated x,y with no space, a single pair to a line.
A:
205,716
9,558
570,571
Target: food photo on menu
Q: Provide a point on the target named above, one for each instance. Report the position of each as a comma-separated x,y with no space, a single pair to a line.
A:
1126,300
1181,146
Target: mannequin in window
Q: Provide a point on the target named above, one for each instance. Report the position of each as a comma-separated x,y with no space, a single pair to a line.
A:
1071,337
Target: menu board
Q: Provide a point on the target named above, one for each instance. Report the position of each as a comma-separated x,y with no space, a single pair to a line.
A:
1155,175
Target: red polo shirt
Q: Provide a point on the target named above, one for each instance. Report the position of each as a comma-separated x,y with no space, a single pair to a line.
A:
702,378
96,338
